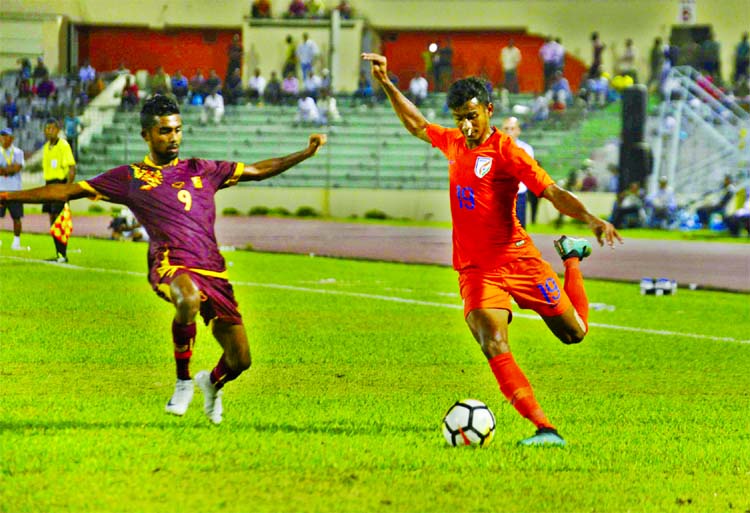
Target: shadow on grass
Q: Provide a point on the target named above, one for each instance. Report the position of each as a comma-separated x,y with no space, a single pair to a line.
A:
377,428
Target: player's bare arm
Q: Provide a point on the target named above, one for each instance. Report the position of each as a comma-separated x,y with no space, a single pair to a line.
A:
407,112
272,167
52,192
571,206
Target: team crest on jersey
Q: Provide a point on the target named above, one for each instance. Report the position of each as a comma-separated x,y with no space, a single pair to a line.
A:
150,177
482,166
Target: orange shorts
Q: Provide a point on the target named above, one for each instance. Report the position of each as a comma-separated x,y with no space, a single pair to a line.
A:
530,281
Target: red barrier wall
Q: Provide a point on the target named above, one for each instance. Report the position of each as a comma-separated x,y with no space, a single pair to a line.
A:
142,48
474,53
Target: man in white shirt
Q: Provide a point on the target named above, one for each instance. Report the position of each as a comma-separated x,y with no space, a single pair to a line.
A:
213,106
10,180
307,111
512,127
510,58
256,85
307,50
418,89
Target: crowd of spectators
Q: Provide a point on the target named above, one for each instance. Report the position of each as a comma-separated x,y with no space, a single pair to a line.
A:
311,9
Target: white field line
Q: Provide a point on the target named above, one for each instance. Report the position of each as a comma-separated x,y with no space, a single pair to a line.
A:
394,299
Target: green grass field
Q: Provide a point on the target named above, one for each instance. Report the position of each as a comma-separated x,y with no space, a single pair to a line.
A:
354,365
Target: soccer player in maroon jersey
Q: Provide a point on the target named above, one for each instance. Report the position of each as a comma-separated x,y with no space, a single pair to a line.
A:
494,256
174,200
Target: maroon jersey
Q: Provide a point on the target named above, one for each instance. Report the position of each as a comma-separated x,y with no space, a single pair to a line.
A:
175,203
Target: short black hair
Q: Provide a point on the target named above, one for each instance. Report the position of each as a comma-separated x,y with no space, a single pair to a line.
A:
52,121
465,89
155,107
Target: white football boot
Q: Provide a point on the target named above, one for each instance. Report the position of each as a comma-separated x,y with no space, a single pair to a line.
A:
183,394
211,397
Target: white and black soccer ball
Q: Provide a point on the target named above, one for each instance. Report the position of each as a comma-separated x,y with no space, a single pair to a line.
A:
469,422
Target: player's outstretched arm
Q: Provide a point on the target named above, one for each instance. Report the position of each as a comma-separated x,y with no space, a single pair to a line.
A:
272,167
568,204
407,112
53,192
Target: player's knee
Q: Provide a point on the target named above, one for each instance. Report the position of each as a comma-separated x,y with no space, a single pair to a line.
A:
572,336
188,303
493,344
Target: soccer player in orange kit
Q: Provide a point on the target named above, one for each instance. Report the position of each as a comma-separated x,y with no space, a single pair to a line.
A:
494,256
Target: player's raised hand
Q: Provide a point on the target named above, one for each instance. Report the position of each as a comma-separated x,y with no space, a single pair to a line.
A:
316,141
379,66
605,232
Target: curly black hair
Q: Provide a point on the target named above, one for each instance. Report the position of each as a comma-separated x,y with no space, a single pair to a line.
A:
467,88
156,107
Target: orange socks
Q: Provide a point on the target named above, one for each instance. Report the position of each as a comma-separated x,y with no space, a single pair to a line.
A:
516,388
574,289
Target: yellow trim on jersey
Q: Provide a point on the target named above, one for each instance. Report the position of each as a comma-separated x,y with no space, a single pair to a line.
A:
149,162
97,195
238,170
167,269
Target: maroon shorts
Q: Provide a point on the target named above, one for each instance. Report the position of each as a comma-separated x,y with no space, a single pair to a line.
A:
217,295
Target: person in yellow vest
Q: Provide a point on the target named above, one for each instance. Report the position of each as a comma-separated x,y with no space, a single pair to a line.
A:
59,167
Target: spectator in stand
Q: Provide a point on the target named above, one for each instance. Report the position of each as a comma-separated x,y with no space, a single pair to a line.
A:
661,205
121,70
290,57
307,112
364,90
180,87
307,52
329,112
418,89
548,55
10,180
740,218
613,184
290,89
130,96
741,59
345,10
589,183
325,80
315,9
159,82
656,64
213,83
46,88
234,54
560,91
197,87
233,91
255,86
40,70
716,202
24,78
73,127
10,112
296,9
213,108
559,54
445,65
597,48
710,58
272,92
86,73
540,108
261,9
627,64
629,209
95,87
510,59
312,85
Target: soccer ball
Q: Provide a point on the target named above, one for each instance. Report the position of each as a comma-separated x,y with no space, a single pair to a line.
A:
469,422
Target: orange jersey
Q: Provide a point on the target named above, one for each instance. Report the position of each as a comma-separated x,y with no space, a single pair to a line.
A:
483,189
